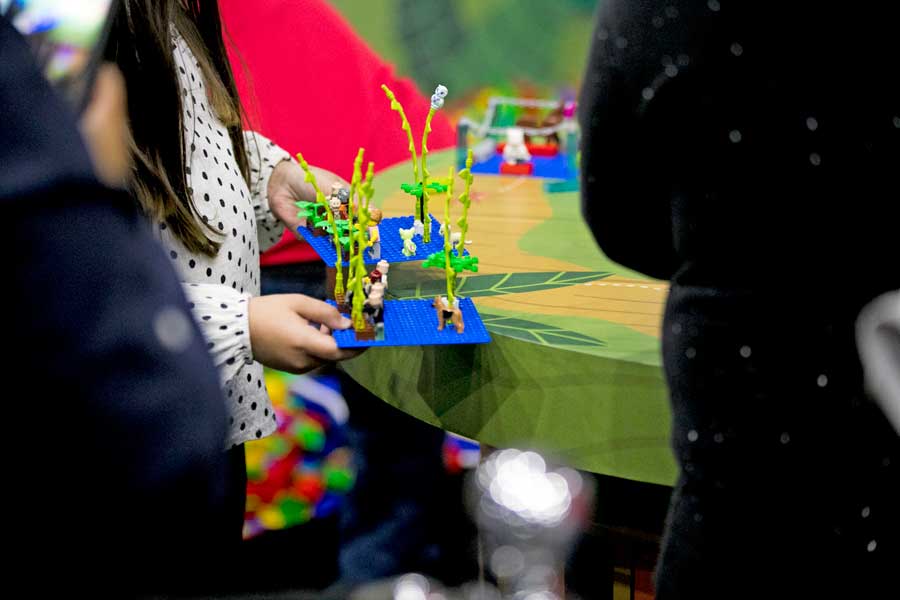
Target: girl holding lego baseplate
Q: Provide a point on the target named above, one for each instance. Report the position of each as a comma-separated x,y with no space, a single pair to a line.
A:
218,196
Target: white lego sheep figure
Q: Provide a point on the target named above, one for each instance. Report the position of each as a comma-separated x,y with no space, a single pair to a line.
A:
409,246
456,240
437,99
455,236
514,151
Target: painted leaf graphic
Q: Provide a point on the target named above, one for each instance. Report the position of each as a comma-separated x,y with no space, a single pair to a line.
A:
538,333
502,283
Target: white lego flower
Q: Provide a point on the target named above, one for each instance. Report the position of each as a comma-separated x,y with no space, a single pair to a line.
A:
437,99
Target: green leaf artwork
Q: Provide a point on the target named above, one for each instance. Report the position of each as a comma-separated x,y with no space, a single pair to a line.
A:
502,283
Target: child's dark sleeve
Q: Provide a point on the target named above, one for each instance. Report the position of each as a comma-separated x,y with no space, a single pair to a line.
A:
118,403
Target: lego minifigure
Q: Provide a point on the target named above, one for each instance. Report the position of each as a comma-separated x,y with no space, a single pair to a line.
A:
374,309
374,235
334,203
409,246
446,312
374,277
384,266
515,152
344,196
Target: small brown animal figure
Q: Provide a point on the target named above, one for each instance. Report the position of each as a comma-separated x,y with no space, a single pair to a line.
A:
445,313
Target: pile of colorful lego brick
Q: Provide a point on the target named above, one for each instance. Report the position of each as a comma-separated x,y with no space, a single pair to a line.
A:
303,471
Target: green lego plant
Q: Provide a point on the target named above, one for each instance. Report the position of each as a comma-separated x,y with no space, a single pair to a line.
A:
419,189
357,260
466,200
354,186
320,198
454,263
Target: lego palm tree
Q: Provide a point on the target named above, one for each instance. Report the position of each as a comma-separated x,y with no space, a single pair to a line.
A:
420,186
320,198
355,181
452,262
362,192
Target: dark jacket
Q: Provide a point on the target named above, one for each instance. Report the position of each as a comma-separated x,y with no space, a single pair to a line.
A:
749,152
114,460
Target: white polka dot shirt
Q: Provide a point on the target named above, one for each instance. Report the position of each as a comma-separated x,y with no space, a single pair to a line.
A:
220,288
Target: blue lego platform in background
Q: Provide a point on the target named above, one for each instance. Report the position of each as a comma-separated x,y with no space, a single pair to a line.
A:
391,244
414,323
545,167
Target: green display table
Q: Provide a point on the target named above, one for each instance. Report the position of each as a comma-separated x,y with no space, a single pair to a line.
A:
574,366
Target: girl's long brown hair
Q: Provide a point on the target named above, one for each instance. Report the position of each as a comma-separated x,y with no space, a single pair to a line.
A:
141,45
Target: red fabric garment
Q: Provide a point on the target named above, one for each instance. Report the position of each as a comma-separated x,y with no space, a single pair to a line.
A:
317,90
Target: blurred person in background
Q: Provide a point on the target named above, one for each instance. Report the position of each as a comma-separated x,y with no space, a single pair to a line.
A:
746,154
117,421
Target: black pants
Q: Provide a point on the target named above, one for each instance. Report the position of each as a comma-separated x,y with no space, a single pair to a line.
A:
235,496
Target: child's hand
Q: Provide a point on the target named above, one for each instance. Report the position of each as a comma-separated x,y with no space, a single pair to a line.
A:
282,337
287,186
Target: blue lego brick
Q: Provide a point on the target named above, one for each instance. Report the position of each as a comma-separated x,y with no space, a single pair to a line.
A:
414,323
391,244
545,167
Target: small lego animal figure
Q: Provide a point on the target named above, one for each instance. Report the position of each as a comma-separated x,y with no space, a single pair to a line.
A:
455,236
515,152
437,99
374,309
409,246
456,241
384,266
446,313
374,235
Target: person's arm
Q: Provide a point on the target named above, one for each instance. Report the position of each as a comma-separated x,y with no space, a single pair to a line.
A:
275,330
626,191
277,183
223,316
264,156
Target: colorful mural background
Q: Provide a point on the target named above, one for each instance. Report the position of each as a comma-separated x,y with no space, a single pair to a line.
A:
477,47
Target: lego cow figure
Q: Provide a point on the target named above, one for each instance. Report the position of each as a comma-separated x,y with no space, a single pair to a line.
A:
447,313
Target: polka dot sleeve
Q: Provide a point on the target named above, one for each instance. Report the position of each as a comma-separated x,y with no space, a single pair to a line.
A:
222,314
264,156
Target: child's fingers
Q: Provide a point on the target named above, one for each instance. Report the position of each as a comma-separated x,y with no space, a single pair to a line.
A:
319,312
325,347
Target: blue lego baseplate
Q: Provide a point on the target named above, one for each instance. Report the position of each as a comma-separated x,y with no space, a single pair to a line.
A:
545,167
414,323
391,244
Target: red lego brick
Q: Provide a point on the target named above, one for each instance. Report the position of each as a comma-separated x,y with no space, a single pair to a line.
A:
517,169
